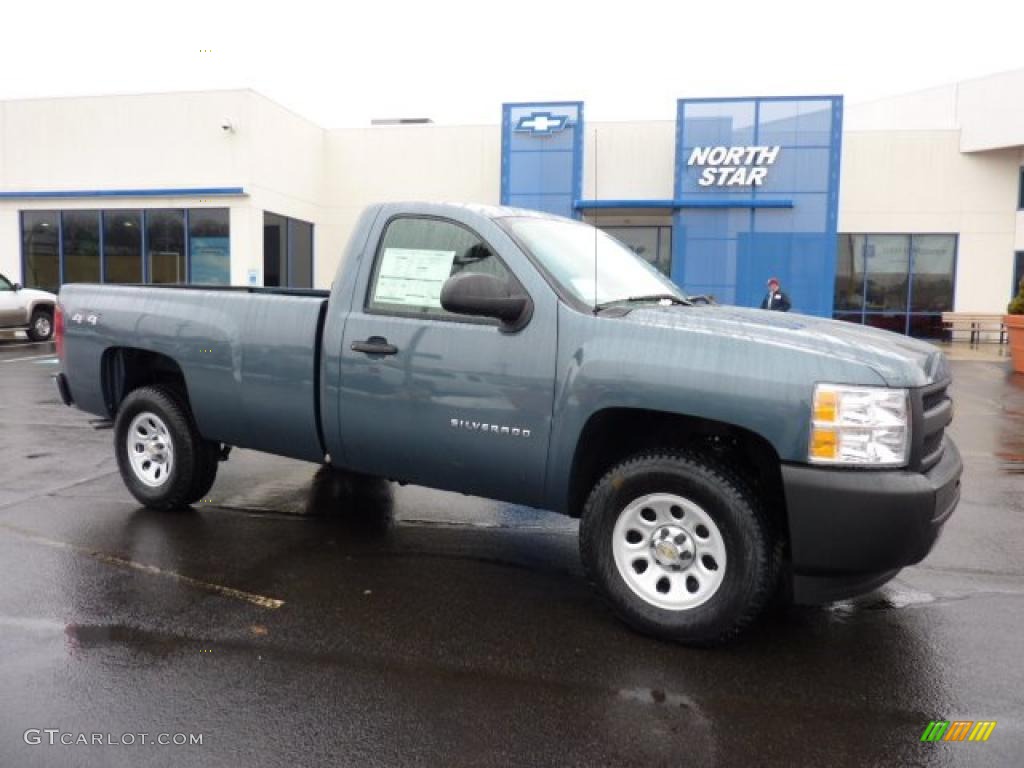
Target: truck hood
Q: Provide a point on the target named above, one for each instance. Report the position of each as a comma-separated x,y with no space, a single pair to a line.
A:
899,360
28,295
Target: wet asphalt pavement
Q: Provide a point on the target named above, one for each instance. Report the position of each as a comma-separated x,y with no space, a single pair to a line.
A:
297,617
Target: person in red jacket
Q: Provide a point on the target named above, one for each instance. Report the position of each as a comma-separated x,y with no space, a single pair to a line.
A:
775,298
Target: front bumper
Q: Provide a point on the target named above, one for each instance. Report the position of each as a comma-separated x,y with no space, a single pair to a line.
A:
853,530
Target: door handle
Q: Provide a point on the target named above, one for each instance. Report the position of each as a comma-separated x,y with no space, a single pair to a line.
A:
375,345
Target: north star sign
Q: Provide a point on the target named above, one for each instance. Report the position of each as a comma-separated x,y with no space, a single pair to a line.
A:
733,166
542,123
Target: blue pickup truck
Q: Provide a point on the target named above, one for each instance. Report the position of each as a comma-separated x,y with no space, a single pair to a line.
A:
716,456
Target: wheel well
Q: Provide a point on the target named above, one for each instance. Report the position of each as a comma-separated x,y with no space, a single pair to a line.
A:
126,369
613,435
46,306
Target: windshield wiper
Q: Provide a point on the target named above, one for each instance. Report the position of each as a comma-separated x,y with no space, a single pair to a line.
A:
652,297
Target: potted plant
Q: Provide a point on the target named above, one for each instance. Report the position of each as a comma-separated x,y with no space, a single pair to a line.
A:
1015,327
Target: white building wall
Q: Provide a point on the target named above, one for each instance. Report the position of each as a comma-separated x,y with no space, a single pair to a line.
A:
919,182
990,111
161,141
629,161
405,162
144,141
933,109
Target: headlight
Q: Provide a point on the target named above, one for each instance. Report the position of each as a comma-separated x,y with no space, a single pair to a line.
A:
867,426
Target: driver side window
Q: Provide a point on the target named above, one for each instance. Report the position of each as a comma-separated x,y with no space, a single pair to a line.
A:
417,256
5,284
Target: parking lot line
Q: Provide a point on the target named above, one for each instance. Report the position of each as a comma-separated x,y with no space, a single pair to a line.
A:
217,589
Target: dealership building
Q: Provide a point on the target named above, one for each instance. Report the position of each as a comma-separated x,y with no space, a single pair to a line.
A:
886,213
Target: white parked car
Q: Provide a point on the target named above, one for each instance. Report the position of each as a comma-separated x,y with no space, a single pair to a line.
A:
25,309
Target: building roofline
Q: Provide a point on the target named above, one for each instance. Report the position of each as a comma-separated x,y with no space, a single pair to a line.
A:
955,84
186,92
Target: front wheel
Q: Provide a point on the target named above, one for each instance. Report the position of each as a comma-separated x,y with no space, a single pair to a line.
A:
158,450
680,547
40,325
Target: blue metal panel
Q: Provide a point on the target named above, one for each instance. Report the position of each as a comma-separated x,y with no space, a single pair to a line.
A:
173,192
789,227
542,156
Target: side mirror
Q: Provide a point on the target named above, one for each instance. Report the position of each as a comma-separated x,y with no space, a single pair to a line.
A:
469,293
17,287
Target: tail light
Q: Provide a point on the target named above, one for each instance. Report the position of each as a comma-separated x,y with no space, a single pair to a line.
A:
58,331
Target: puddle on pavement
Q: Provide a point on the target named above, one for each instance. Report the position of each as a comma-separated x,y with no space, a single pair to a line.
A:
656,696
892,598
89,636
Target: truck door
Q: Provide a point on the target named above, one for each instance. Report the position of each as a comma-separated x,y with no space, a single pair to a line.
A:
11,310
438,399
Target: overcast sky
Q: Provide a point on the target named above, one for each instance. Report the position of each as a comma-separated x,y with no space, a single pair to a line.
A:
341,64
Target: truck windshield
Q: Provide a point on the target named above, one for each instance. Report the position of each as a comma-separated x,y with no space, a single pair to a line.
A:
568,250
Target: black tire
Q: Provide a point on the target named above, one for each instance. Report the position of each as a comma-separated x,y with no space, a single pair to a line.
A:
182,480
753,551
40,325
207,462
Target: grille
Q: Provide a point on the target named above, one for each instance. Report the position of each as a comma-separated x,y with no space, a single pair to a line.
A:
935,414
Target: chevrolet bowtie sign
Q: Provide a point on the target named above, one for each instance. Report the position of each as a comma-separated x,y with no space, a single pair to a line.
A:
542,123
733,166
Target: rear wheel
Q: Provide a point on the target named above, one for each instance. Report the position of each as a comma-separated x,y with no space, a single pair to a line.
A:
40,325
158,449
680,547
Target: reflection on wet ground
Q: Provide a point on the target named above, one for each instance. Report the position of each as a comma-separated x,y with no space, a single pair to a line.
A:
345,620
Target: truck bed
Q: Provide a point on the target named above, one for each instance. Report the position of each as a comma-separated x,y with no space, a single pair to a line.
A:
249,356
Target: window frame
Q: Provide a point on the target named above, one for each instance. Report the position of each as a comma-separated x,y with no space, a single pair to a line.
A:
449,317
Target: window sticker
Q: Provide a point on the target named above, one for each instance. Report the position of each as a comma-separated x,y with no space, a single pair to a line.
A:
412,277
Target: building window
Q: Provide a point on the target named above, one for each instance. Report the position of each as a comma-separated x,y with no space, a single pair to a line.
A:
209,246
901,283
287,251
275,249
81,246
1020,191
653,244
40,245
122,246
92,246
300,254
165,246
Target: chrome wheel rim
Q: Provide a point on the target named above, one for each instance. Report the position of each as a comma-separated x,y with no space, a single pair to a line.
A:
150,449
669,551
42,325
